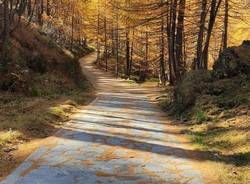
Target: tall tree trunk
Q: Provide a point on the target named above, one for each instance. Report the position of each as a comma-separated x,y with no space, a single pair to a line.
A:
6,16
42,11
117,43
11,12
171,28
113,39
72,29
127,32
32,10
105,44
6,33
146,52
162,76
180,38
213,14
98,33
197,64
173,37
127,53
29,8
225,32
170,60
48,7
131,53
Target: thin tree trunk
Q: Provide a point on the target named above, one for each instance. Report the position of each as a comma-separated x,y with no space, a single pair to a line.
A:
41,13
98,33
113,39
146,52
170,58
105,44
131,54
171,41
213,13
6,28
180,37
225,34
72,30
117,43
32,11
162,53
197,64
173,38
127,32
127,53
48,7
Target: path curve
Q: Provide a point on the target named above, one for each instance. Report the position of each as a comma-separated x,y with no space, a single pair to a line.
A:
119,138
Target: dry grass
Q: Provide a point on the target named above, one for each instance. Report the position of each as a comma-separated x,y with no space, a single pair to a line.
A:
24,121
230,140
218,124
226,135
41,86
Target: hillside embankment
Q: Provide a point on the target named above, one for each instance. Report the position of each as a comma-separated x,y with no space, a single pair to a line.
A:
41,85
214,107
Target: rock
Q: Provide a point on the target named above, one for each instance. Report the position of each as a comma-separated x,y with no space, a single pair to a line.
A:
8,150
246,43
226,65
233,61
191,86
235,172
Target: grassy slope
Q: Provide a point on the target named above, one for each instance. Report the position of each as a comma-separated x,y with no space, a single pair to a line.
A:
217,118
42,85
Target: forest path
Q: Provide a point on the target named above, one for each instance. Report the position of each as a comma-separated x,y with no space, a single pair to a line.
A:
121,137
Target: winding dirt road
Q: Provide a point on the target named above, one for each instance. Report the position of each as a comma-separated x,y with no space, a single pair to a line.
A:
121,137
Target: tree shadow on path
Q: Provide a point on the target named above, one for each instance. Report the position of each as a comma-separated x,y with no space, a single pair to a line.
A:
172,152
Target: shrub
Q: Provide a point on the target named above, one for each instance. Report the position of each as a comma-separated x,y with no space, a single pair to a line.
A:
192,85
232,62
73,69
228,102
200,115
6,59
38,64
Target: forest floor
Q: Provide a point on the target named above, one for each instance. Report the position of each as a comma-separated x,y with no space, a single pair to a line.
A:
121,137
